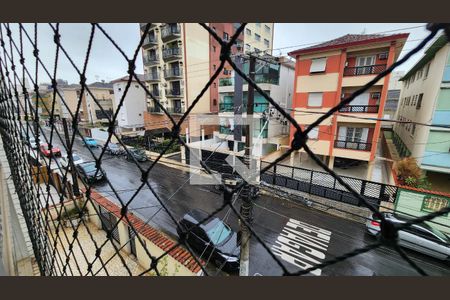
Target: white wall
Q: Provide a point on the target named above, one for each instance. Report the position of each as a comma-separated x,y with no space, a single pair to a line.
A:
131,113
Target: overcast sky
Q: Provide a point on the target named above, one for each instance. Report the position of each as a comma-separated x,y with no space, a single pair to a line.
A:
106,62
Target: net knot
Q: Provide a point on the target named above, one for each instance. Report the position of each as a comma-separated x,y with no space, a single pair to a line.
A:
299,140
131,67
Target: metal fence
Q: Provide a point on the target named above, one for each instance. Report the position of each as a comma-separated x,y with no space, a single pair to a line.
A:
15,100
325,185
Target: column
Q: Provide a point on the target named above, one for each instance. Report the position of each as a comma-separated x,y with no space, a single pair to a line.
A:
331,162
183,154
370,165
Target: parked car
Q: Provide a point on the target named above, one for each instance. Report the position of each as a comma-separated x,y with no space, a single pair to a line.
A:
418,237
90,142
87,172
46,152
114,149
213,238
232,180
138,154
76,160
32,143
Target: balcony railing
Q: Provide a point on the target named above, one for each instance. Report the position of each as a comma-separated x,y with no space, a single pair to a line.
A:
175,110
257,107
371,109
172,53
178,92
353,145
151,76
364,70
154,109
170,31
226,81
173,73
259,78
151,60
150,40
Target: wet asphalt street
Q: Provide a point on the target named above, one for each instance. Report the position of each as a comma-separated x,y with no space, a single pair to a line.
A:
276,222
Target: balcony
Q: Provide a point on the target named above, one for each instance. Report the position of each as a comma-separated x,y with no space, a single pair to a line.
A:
368,109
364,70
170,32
174,92
353,145
177,110
259,78
151,76
149,41
172,53
151,60
229,107
154,109
173,73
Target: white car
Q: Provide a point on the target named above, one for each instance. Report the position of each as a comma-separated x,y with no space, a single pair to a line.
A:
76,160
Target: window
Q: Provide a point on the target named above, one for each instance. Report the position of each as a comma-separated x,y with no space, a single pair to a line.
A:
419,73
413,129
257,37
214,48
136,86
248,31
215,85
318,65
267,28
427,68
376,95
214,102
225,36
315,99
362,61
314,133
214,67
266,43
419,101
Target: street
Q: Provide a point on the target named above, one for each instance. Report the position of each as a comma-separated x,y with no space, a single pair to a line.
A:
282,225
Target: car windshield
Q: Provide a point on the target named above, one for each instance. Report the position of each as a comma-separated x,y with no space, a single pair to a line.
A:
89,167
219,233
437,232
75,157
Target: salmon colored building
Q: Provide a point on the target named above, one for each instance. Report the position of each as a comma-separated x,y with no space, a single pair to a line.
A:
327,73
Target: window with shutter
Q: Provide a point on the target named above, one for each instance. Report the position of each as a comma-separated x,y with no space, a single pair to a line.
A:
318,65
315,99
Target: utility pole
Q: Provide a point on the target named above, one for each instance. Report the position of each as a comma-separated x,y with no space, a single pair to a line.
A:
247,192
76,191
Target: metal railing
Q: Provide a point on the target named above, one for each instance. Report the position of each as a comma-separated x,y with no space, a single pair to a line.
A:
150,40
229,107
152,76
173,73
170,31
174,92
172,53
154,109
364,70
353,145
151,60
175,110
373,109
259,78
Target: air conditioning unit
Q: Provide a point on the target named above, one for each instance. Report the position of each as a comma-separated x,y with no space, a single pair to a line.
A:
383,56
376,95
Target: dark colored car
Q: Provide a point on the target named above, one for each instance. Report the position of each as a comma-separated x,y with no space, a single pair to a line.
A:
87,172
114,149
213,239
138,154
